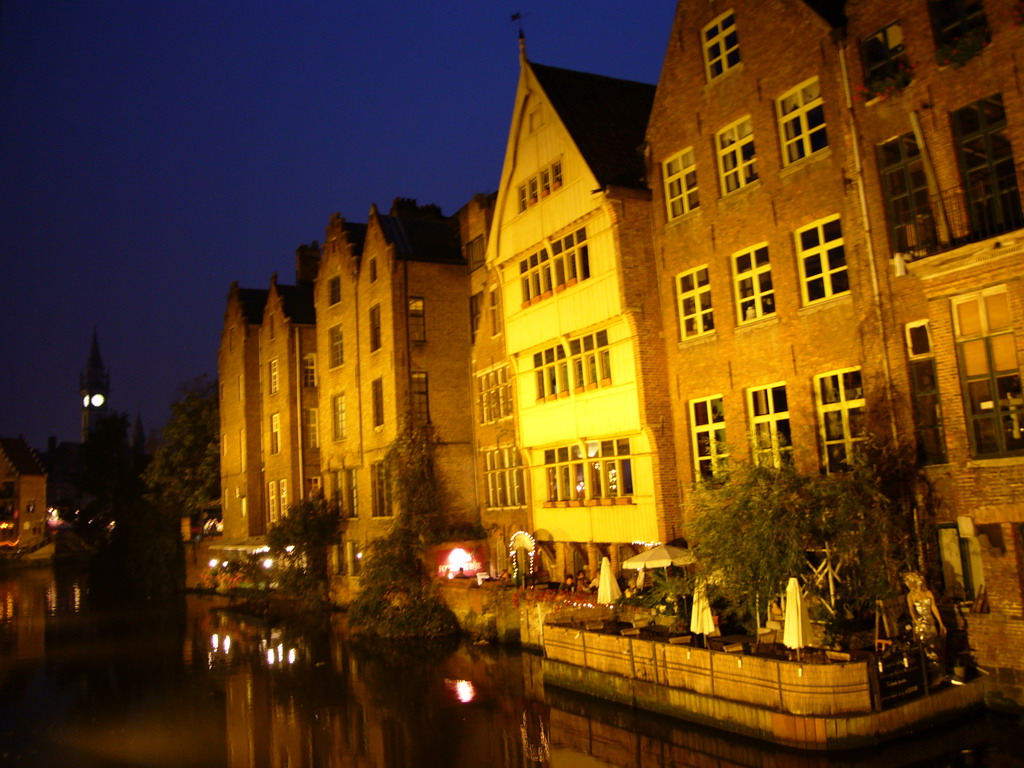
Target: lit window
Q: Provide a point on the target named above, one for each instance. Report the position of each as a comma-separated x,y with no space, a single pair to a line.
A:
340,426
272,499
737,160
596,469
591,360
568,263
417,319
924,391
284,497
840,401
335,346
681,184
989,372
822,259
721,45
802,121
755,294
707,424
552,372
770,435
693,297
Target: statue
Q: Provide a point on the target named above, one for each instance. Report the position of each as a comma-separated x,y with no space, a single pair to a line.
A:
926,623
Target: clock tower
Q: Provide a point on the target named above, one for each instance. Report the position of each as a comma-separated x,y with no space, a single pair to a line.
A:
95,386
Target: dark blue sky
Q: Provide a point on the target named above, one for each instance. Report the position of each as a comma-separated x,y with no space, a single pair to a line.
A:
153,151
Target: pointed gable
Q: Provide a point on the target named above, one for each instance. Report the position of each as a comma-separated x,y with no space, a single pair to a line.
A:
22,459
606,118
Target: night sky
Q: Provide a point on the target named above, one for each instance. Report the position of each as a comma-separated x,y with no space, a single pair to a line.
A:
153,151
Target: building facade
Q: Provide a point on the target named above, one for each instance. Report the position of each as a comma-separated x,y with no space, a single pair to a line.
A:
22,495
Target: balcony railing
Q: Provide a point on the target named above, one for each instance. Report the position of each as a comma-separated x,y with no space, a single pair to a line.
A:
958,216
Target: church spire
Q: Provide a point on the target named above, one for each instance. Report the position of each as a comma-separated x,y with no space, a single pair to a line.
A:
94,386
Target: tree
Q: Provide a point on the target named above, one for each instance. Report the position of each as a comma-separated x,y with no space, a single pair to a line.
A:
398,597
846,535
184,475
298,542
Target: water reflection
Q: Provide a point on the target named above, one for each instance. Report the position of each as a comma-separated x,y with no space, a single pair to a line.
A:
195,684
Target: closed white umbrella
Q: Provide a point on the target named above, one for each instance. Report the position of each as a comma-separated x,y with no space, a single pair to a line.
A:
701,620
797,631
607,588
640,578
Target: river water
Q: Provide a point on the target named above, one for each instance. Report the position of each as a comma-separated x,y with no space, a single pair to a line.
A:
192,684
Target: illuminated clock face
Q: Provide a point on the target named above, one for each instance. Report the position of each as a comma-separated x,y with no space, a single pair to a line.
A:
85,400
97,400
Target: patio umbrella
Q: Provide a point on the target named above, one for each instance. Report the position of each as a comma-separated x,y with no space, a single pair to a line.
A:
701,620
661,556
797,630
607,589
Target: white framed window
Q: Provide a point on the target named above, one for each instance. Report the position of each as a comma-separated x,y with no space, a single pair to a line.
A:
707,429
275,433
539,186
721,45
680,173
495,312
495,395
822,257
552,372
274,376
693,297
592,469
570,258
737,159
312,428
503,474
989,372
770,435
284,497
309,370
591,360
755,293
841,404
340,426
272,500
802,121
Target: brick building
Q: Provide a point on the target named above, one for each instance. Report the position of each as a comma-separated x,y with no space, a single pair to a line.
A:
838,228
392,302
22,495
570,246
939,121
240,409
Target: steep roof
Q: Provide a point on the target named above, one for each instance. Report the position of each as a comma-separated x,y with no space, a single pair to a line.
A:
22,458
605,116
355,233
423,239
252,301
831,11
297,301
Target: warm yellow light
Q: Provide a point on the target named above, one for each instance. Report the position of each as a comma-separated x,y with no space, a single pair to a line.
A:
268,563
214,563
459,556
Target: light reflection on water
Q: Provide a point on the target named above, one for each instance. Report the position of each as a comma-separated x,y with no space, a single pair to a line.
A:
190,684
